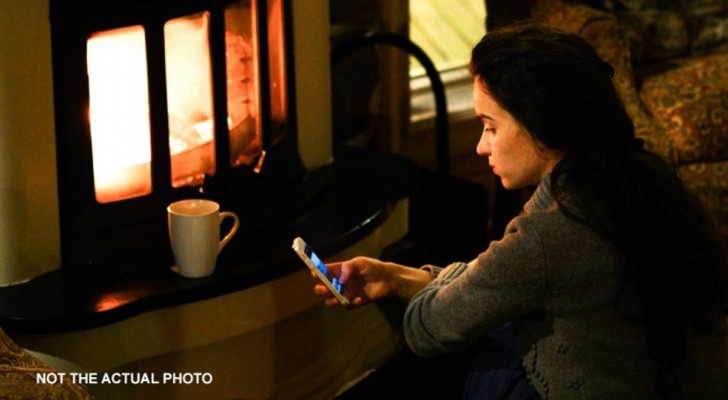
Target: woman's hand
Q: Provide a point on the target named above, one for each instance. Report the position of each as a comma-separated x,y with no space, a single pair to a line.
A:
367,280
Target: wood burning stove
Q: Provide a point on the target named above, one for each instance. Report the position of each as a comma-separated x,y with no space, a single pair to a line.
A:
299,190
158,100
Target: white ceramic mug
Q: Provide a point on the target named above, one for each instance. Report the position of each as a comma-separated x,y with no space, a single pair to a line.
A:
194,232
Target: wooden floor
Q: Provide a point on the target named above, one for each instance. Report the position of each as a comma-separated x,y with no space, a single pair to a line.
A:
446,30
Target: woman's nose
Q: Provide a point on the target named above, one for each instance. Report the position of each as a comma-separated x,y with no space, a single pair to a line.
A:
483,148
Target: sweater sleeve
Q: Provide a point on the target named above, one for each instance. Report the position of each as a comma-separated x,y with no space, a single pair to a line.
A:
465,301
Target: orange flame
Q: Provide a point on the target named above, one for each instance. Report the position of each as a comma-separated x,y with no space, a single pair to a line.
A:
119,114
119,102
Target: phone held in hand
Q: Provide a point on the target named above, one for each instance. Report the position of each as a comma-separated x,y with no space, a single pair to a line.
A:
314,263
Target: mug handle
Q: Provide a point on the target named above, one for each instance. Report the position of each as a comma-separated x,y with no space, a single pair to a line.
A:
236,223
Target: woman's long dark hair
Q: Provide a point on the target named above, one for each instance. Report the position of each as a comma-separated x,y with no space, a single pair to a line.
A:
556,86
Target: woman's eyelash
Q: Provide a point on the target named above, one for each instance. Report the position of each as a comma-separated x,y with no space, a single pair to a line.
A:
490,130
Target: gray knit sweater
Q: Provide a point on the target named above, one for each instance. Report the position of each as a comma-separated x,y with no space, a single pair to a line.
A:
557,281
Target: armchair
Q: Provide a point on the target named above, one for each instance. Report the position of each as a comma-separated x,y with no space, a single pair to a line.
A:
677,96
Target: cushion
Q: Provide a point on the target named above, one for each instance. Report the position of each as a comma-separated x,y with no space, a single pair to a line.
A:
18,371
709,181
690,103
603,31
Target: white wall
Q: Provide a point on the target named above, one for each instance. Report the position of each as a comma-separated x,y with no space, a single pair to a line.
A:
313,80
29,225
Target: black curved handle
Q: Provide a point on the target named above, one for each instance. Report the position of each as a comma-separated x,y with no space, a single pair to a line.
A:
356,42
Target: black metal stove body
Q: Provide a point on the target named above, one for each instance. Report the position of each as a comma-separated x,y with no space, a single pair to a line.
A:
238,141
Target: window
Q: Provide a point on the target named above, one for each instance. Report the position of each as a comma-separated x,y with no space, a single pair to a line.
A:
447,32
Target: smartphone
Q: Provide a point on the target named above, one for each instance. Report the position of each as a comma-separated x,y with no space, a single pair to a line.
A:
314,263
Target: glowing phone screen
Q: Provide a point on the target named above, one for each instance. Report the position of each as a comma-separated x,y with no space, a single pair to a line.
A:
321,267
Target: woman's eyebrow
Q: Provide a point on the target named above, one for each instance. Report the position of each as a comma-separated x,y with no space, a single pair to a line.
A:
482,116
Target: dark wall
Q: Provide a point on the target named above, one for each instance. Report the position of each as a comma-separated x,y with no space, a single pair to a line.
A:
503,12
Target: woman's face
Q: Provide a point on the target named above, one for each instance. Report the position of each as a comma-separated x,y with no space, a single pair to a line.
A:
517,158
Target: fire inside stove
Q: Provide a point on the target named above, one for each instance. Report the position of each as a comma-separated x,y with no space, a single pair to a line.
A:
119,102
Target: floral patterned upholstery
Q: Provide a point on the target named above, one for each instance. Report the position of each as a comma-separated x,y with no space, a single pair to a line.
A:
18,371
691,105
604,32
709,181
681,112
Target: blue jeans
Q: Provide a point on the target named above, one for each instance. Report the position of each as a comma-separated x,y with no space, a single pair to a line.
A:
496,372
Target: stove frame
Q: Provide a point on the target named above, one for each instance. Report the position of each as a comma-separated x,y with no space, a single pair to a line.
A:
131,234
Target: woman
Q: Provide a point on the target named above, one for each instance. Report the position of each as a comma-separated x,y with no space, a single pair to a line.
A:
611,278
